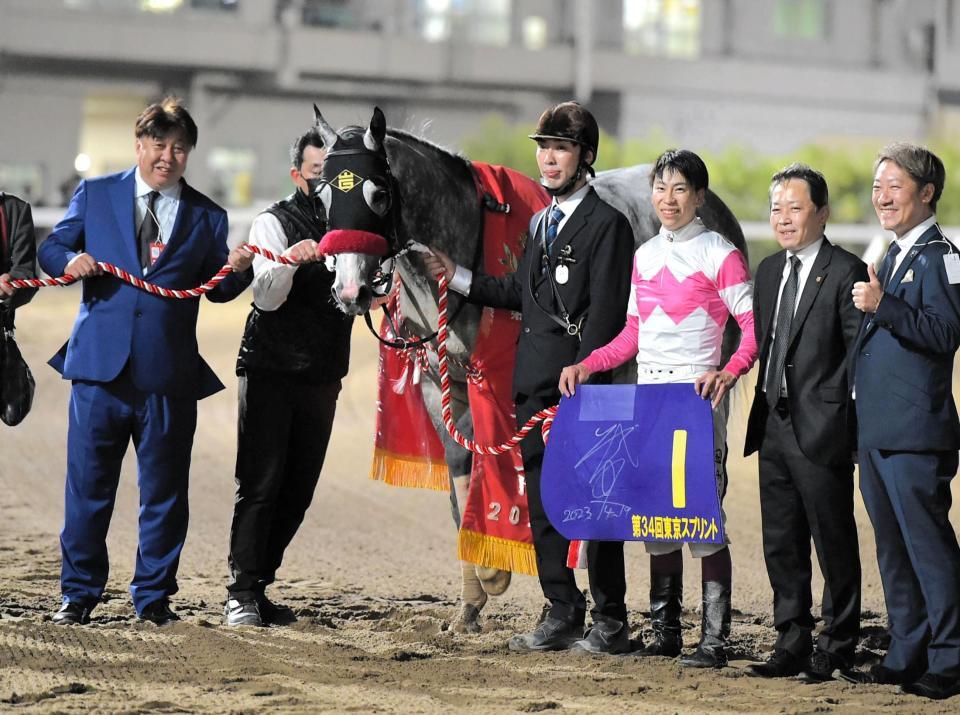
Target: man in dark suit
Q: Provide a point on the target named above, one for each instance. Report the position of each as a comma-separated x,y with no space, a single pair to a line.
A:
18,259
571,288
132,357
802,424
908,428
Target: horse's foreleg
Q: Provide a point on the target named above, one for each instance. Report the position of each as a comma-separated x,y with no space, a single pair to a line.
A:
459,461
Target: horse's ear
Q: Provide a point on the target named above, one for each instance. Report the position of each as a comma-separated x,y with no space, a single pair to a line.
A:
373,138
328,133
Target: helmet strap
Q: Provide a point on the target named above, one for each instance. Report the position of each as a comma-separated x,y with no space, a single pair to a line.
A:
567,187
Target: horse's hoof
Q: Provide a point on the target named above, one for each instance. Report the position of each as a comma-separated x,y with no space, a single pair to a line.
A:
493,581
466,620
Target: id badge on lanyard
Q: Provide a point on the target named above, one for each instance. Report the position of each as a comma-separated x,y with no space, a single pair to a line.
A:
156,248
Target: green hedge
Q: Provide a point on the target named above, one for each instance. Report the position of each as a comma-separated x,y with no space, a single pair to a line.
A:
738,174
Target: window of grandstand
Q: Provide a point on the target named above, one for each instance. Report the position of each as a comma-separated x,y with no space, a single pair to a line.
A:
24,180
215,4
329,13
805,19
484,22
232,171
535,32
667,28
154,5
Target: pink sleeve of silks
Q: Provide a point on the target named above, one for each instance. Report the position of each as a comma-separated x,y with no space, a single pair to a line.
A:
617,351
736,291
742,360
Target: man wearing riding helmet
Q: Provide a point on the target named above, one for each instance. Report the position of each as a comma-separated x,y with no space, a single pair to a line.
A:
571,288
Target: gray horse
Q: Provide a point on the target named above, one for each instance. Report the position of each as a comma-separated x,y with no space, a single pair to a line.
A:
426,194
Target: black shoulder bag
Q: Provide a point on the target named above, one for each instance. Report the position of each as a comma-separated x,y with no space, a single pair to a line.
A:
16,381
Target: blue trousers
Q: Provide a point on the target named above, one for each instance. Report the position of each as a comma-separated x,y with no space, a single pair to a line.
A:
907,495
103,419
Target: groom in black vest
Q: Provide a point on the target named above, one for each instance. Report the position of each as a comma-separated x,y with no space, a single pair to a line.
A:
295,350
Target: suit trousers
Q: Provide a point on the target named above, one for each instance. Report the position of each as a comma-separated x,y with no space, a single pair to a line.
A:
283,430
605,566
907,495
103,418
801,500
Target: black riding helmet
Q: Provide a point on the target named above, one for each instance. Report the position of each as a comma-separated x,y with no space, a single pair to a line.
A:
570,121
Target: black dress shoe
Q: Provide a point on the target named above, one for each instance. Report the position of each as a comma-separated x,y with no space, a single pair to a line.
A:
275,613
705,657
72,613
877,675
935,687
158,612
550,634
606,637
782,664
821,666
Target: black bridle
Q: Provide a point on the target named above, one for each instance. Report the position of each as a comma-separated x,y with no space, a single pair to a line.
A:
383,278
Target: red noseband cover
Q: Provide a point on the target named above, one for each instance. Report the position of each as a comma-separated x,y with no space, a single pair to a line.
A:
350,241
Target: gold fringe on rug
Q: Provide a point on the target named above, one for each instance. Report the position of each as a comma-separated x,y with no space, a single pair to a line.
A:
498,553
409,471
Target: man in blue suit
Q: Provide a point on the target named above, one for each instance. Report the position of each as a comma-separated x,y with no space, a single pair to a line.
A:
133,359
909,433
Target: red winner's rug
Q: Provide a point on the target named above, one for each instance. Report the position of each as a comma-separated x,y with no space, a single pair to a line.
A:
495,529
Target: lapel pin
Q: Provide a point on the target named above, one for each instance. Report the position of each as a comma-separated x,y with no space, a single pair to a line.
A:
819,279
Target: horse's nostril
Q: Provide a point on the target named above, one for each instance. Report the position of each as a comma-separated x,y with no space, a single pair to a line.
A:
364,294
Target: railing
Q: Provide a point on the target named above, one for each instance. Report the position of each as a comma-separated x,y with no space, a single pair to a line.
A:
866,239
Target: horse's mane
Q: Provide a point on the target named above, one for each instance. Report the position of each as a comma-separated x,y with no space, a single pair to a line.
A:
425,144
439,194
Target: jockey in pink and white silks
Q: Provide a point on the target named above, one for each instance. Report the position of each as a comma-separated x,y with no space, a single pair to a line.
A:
687,281
685,284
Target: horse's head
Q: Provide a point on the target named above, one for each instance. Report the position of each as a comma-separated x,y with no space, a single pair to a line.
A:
357,192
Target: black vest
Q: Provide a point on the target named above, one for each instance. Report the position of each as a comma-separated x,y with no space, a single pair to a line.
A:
308,334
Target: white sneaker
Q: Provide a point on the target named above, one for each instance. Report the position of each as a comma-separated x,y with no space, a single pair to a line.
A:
242,613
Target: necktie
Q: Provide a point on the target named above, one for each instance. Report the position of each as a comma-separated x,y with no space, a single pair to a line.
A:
889,261
149,229
553,225
778,354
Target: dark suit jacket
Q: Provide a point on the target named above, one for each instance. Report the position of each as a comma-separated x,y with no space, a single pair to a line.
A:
823,331
20,259
601,243
120,324
903,360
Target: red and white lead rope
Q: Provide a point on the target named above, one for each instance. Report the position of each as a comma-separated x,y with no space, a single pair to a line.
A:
545,415
133,280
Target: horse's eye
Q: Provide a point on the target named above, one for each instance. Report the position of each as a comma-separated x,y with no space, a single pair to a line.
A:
377,197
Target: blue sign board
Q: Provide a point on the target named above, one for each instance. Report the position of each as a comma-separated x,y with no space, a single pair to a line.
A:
633,463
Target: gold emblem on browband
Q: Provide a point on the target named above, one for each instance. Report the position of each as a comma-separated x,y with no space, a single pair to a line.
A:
346,180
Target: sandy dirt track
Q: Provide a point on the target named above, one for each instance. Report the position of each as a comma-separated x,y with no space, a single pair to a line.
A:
372,574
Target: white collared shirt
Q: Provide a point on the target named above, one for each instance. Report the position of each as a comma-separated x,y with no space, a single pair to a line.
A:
166,206
807,256
909,238
568,205
689,230
271,281
463,277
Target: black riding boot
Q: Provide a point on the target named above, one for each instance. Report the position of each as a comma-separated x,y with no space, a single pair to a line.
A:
666,602
714,629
